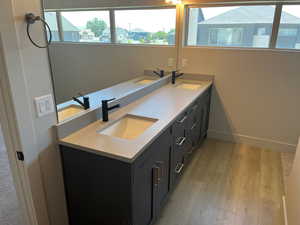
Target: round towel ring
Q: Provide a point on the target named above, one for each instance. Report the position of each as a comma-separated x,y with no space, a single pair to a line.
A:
31,19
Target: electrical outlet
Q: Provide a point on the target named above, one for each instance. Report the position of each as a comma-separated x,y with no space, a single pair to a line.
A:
44,105
170,62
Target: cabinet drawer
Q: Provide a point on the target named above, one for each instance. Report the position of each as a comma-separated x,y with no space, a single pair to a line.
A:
177,169
193,115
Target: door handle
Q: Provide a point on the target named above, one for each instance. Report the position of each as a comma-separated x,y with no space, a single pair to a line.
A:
180,141
179,168
162,170
156,176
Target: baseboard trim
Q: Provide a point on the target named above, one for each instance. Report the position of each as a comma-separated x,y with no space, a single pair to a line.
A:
254,141
284,210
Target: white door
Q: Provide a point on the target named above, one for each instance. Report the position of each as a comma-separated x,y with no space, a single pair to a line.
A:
293,192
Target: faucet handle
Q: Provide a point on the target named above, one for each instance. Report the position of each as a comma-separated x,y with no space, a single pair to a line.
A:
109,100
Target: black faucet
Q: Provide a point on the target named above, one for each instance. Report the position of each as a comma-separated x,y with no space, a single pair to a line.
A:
159,73
86,101
105,108
175,75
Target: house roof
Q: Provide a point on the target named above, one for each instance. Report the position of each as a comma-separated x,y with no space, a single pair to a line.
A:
251,15
67,25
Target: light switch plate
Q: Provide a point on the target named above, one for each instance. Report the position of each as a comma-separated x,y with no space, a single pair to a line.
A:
184,62
44,105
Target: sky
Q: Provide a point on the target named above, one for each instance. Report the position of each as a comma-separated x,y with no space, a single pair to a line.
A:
292,9
152,21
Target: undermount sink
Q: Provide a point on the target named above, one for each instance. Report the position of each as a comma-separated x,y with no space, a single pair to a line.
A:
129,127
189,86
69,111
145,81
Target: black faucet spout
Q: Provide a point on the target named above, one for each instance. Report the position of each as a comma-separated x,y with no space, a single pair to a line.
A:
159,73
175,75
106,109
86,102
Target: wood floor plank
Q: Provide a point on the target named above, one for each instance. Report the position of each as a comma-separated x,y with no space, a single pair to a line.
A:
228,184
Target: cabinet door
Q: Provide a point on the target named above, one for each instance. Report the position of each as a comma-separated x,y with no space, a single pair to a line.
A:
144,189
205,118
163,154
151,181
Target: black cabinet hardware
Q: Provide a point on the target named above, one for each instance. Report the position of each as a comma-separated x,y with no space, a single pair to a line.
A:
20,156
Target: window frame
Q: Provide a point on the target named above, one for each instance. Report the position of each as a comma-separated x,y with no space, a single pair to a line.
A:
212,5
113,39
274,33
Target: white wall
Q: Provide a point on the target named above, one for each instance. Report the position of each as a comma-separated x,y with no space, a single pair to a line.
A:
27,70
256,95
90,67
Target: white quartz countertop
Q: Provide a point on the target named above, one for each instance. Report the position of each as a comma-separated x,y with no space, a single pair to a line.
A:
163,104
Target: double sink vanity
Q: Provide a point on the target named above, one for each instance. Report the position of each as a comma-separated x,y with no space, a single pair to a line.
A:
121,172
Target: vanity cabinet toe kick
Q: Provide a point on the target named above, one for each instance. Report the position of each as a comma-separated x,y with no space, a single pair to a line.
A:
107,191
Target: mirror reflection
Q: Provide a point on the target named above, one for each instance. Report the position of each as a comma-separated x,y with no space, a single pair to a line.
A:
104,53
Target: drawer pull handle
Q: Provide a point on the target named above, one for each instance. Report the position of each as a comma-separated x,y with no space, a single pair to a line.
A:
182,120
180,141
194,125
179,168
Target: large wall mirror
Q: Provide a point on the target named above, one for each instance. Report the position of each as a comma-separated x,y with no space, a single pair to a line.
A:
95,48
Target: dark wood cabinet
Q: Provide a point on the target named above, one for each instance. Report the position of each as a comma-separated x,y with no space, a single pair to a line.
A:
107,191
151,180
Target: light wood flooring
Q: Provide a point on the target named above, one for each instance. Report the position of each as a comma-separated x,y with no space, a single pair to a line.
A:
228,184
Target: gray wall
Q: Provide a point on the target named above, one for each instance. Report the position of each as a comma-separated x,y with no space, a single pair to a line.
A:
90,67
256,96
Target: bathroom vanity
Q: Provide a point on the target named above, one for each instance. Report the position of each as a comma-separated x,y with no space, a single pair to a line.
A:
122,172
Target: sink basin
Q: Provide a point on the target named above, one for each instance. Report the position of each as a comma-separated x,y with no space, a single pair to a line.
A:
145,81
69,111
129,127
189,86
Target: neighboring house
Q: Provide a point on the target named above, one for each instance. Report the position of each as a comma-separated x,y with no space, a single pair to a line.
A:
122,35
247,27
138,34
70,32
105,37
87,35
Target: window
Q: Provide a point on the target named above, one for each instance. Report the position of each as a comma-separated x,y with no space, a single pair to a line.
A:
289,29
86,26
146,26
51,19
231,26
225,36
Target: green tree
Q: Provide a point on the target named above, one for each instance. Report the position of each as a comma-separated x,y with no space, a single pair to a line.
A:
160,35
97,26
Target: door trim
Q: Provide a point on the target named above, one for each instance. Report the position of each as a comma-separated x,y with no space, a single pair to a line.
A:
12,144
